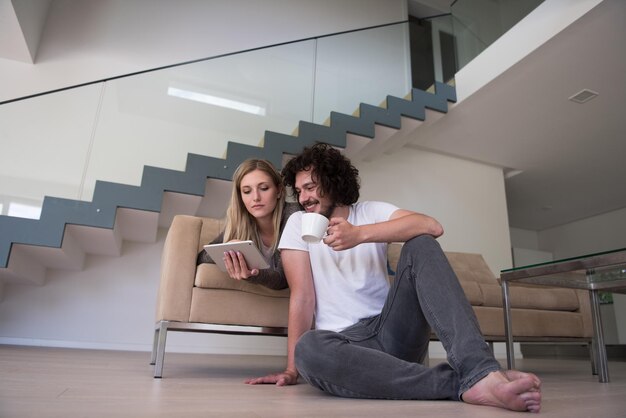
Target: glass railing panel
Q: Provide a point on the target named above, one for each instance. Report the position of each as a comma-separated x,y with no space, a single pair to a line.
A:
434,43
158,118
361,67
45,154
478,23
61,143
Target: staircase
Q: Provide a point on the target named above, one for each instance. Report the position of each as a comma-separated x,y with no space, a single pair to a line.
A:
69,229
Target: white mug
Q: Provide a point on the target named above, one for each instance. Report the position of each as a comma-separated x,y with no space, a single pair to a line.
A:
314,227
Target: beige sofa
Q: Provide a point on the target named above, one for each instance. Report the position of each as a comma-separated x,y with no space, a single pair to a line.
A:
203,299
538,313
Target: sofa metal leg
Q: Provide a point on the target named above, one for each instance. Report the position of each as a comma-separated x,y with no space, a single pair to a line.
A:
592,356
161,332
154,346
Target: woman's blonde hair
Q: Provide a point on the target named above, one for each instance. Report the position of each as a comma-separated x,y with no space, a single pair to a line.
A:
240,224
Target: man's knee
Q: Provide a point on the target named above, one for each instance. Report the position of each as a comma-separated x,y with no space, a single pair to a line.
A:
305,344
421,243
309,350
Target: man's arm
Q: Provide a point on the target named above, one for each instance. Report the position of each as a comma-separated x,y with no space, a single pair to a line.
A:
402,225
297,268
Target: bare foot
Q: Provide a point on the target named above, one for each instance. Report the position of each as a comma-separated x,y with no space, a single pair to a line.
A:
508,389
515,374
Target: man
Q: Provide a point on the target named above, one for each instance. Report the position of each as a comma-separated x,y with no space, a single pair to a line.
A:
369,340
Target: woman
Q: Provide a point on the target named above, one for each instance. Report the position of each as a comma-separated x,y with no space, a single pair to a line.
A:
257,212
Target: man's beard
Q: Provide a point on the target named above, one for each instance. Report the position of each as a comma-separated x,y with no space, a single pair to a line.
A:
329,211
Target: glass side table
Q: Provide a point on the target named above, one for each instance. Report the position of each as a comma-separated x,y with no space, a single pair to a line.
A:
604,271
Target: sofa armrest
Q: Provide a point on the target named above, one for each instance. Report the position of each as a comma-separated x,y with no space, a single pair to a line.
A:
178,268
585,311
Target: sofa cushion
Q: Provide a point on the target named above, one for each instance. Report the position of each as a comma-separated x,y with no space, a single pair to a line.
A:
473,293
210,230
532,323
393,255
547,298
209,276
471,267
230,307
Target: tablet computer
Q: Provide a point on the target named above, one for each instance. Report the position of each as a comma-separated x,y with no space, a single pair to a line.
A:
251,253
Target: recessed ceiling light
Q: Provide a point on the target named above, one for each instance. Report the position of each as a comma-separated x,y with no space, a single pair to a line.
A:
583,96
217,101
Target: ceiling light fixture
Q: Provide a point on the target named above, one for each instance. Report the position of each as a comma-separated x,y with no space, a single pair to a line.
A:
583,96
216,101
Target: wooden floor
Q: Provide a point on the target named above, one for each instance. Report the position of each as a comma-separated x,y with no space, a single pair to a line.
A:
67,383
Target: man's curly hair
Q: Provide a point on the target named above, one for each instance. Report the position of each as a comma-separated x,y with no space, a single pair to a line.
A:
334,174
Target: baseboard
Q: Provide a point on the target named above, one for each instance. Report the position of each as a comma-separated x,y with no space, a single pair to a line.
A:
436,350
34,342
200,344
615,352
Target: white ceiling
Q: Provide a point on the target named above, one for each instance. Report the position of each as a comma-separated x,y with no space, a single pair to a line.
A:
21,25
571,156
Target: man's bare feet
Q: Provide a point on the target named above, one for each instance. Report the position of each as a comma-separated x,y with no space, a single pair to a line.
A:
508,389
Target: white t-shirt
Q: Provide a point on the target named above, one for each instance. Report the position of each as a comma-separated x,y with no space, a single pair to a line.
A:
350,284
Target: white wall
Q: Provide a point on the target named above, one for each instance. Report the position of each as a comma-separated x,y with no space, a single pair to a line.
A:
110,304
525,257
598,233
591,235
467,198
523,238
